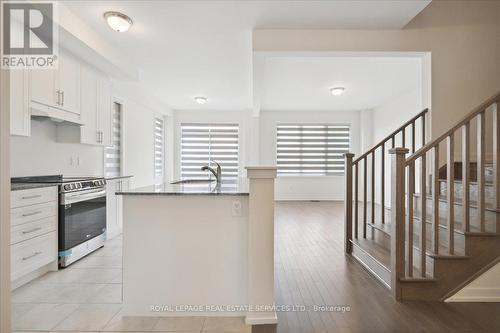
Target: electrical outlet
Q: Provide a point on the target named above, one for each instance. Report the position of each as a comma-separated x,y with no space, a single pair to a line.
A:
236,209
71,161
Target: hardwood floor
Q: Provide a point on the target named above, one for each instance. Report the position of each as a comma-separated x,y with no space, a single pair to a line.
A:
312,269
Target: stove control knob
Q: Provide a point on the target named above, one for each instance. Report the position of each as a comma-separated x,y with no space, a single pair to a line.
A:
96,183
73,186
67,187
78,186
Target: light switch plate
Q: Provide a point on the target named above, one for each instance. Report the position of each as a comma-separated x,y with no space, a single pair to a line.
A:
236,208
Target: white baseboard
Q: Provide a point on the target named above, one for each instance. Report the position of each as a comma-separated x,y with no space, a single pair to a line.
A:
261,318
476,295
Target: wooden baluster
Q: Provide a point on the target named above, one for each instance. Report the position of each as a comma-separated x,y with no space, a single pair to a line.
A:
348,202
373,188
413,137
496,160
450,191
466,176
403,137
480,170
423,129
423,214
382,183
435,200
356,200
365,167
398,220
410,216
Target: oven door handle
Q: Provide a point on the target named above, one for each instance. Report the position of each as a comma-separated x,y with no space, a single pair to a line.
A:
83,197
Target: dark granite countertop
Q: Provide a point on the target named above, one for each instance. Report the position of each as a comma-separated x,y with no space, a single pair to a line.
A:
117,177
227,188
27,186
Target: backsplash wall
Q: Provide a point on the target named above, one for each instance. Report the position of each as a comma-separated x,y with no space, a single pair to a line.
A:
41,154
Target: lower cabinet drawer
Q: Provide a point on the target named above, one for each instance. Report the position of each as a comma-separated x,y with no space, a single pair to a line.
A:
32,213
32,254
34,196
30,230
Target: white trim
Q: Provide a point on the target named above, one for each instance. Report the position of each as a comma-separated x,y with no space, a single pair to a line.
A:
272,318
476,295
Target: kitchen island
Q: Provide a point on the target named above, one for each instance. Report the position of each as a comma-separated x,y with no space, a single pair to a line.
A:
201,249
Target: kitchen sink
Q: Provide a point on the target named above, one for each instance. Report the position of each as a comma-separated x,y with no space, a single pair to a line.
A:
193,181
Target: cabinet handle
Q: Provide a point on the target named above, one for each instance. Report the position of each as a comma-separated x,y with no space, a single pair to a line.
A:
31,214
98,136
31,256
62,93
32,230
101,135
32,196
58,97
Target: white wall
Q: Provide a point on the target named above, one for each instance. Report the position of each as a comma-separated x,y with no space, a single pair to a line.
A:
138,113
387,118
41,154
313,187
485,288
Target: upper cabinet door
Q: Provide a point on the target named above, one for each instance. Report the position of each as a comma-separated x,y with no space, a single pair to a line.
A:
43,87
105,111
89,106
20,115
68,82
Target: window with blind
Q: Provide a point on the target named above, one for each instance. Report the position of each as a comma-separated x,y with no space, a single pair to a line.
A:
203,143
312,149
112,155
159,148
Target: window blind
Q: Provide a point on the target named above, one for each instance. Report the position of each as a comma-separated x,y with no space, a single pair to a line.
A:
112,155
312,149
202,143
159,148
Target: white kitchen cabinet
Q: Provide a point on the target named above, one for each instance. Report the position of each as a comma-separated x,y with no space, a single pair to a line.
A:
96,112
89,130
114,206
68,83
33,221
105,113
20,115
59,88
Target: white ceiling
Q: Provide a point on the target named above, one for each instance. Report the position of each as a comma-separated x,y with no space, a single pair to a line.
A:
190,48
303,83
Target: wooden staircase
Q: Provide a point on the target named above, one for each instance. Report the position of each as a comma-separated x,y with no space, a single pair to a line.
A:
441,227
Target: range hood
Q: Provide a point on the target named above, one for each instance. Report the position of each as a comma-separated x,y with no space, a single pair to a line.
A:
40,111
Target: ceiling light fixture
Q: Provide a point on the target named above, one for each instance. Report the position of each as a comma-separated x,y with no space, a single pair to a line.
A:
337,91
200,100
118,21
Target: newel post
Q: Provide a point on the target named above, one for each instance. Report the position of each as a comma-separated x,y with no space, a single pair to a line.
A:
398,159
348,202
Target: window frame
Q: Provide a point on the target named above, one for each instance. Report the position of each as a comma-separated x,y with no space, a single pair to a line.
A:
237,124
304,124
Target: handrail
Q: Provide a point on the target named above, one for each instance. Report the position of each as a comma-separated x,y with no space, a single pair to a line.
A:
390,136
494,99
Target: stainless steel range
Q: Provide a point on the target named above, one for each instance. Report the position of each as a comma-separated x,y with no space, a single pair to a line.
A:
82,214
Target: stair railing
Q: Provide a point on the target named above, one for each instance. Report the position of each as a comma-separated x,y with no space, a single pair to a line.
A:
353,168
403,202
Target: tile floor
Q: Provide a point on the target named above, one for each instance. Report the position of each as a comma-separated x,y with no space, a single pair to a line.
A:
86,297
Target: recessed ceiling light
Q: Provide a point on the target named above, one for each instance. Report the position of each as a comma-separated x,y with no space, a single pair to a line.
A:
337,91
118,21
200,100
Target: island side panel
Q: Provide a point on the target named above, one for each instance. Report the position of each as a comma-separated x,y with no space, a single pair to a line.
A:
184,250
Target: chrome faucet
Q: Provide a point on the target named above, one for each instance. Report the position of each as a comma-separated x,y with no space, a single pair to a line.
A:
217,174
